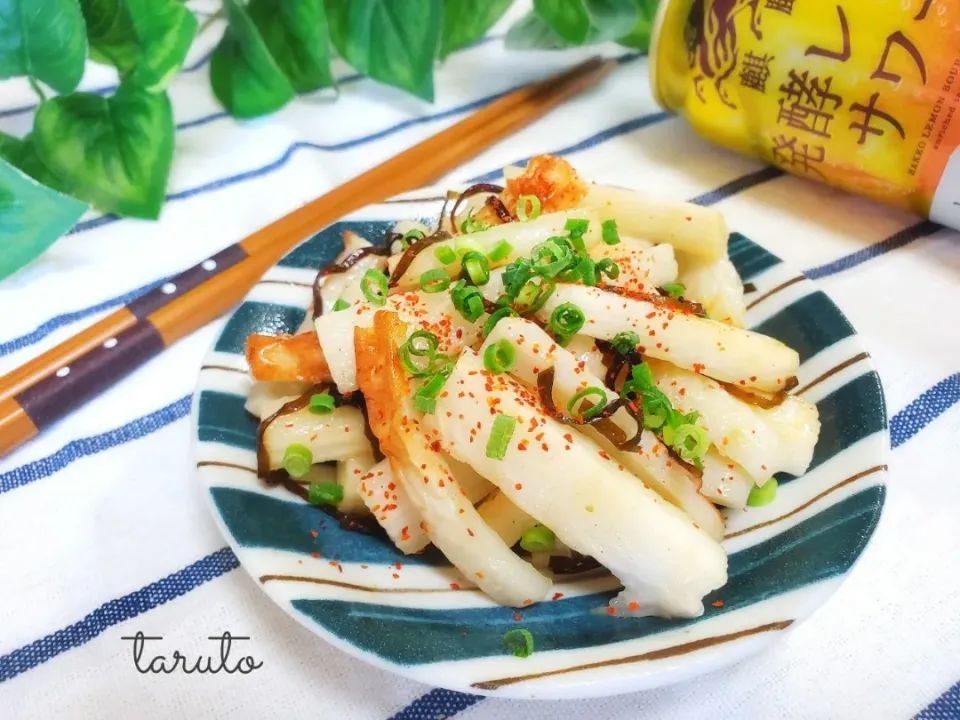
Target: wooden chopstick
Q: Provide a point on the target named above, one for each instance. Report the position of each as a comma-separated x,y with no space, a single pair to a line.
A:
42,391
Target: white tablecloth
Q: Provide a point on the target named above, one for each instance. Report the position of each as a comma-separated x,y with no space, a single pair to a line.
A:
103,531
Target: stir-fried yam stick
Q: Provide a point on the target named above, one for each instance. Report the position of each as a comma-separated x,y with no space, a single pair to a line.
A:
641,267
715,285
433,312
338,435
593,505
504,518
451,520
698,230
720,351
650,462
393,509
725,482
521,236
287,358
764,442
349,476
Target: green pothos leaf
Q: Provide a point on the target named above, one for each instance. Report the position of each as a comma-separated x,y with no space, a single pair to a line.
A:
43,40
466,21
32,216
113,152
531,33
245,78
295,33
580,22
146,40
393,42
642,30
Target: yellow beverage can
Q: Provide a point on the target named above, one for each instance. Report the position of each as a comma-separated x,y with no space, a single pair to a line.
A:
860,94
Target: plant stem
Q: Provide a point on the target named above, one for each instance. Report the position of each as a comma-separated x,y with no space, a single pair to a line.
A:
37,89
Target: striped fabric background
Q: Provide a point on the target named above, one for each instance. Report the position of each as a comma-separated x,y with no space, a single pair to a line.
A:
104,532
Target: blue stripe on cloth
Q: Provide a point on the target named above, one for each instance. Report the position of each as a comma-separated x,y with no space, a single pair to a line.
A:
945,707
744,182
895,241
602,136
59,321
924,410
82,447
182,581
437,704
117,611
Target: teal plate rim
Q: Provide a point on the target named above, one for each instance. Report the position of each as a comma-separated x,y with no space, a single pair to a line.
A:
786,559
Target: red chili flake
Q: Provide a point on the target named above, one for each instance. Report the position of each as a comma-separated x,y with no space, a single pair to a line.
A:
698,367
544,447
441,483
557,596
460,511
743,382
454,586
633,607
517,617
395,576
717,603
519,486
539,437
388,508
753,378
479,575
651,315
459,333
683,391
363,567
763,467
314,554
604,455
611,611
652,333
568,437
528,601
423,525
313,533
346,429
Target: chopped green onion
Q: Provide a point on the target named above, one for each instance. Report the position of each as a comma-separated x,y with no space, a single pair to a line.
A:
611,235
500,357
763,494
427,348
476,267
550,258
425,399
500,251
624,342
690,442
609,268
445,254
533,295
471,224
656,412
325,493
585,270
576,227
467,300
524,214
520,642
675,290
596,408
340,304
374,287
496,317
434,281
412,235
566,320
500,434
297,460
421,344
322,404
515,275
538,539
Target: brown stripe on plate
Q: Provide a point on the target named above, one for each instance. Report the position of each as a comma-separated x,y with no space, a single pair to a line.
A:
778,288
833,371
661,654
225,368
186,281
70,386
403,201
294,283
350,586
218,463
842,483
